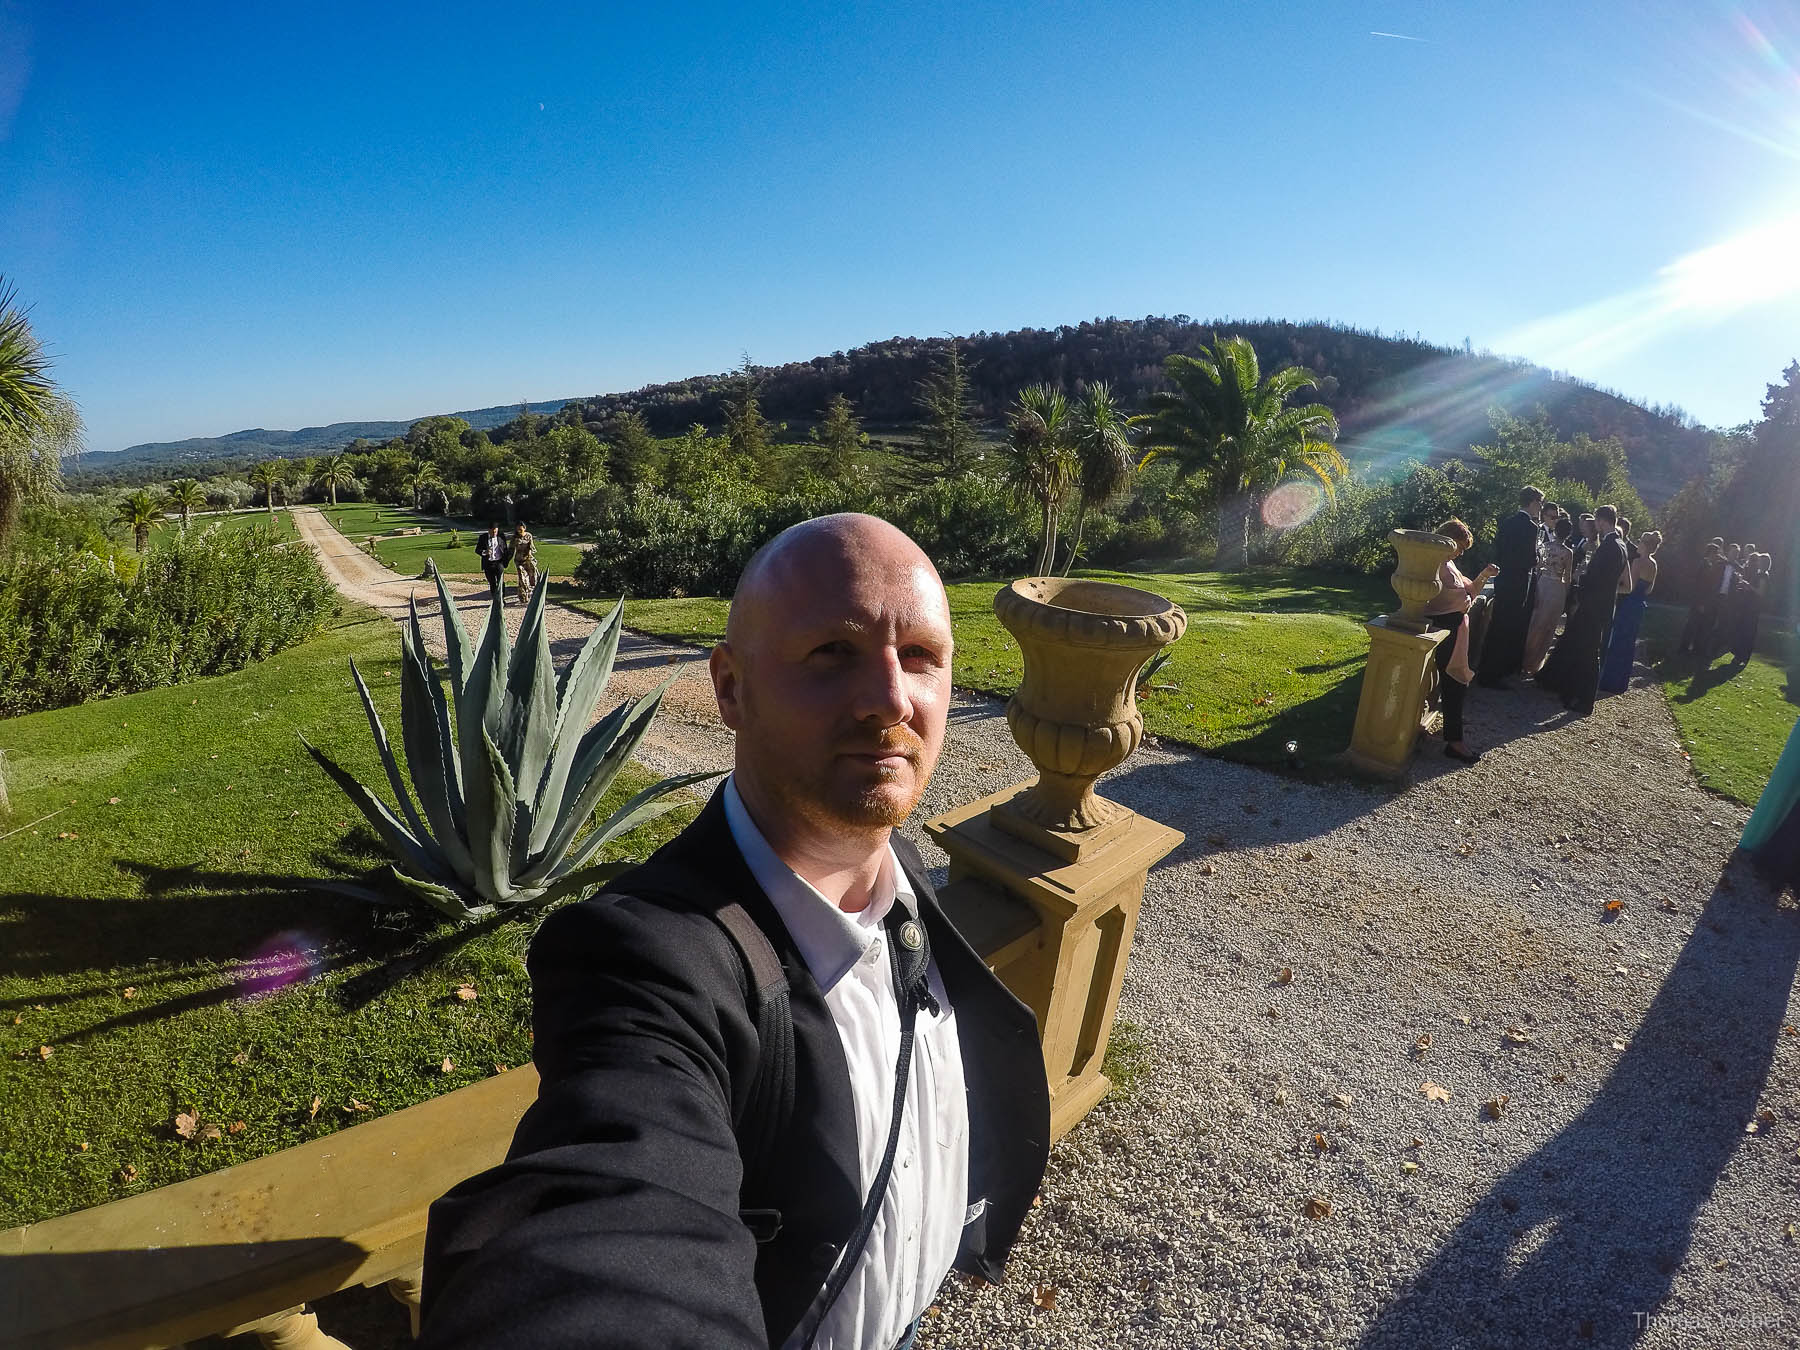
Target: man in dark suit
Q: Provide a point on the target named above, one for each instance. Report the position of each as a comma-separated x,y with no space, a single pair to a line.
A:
634,1208
1593,615
1516,549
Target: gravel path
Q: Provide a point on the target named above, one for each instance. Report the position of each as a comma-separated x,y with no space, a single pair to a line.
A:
1617,1199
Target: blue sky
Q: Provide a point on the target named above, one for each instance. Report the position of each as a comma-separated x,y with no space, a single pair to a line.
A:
252,215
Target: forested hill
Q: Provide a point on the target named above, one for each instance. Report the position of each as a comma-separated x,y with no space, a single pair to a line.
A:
259,443
1395,397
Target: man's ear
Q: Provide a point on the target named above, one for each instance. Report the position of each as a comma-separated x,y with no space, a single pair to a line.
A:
727,682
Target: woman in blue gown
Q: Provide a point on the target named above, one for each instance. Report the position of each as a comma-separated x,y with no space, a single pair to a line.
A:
1772,838
1615,673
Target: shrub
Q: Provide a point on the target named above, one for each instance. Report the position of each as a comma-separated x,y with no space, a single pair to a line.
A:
73,628
968,526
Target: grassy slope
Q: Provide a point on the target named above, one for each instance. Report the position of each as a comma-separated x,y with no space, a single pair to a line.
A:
187,816
1269,656
407,556
236,520
1733,720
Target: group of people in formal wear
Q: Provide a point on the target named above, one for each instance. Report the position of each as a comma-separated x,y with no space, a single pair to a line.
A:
1569,594
519,548
1731,583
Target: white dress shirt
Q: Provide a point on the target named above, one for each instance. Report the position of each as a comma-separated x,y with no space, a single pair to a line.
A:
919,1226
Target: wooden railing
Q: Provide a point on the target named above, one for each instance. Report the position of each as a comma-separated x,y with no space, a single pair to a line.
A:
246,1248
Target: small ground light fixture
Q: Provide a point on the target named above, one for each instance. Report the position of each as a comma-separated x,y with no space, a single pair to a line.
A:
1293,754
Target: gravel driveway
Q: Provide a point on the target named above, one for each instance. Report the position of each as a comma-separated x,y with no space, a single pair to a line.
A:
1313,957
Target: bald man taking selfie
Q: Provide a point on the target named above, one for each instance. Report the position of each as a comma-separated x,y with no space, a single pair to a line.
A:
781,1096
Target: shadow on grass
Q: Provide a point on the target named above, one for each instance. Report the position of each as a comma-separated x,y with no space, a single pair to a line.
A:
1585,1235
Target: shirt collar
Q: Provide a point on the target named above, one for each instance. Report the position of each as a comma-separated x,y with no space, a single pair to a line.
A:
829,940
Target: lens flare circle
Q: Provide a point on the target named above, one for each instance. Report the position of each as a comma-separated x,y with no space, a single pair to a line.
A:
1291,505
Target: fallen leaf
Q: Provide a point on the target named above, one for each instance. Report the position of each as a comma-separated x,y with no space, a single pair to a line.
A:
1342,1101
1764,1119
313,1110
1559,1078
1207,869
1417,1143
68,834
1621,970
1789,1234
127,1173
355,1106
1320,1144
1614,908
82,1146
1409,1166
1618,1045
1045,1297
1271,1011
1433,1092
1667,905
185,1124
448,1066
211,1133
236,1127
1495,1107
466,993
1789,1029
1517,1036
1318,1208
1463,1018
1285,975
1422,1044
241,1057
18,1018
128,992
112,801
44,1052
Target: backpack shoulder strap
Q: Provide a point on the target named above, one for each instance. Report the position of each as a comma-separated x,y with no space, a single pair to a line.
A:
769,1105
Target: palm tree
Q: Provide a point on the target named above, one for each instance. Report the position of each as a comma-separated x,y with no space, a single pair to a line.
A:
183,495
1226,423
1040,461
138,512
38,424
1105,461
269,475
424,478
332,473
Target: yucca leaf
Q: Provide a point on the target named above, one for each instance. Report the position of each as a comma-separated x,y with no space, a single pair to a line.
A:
422,733
645,807
459,654
528,721
401,795
577,691
588,783
399,840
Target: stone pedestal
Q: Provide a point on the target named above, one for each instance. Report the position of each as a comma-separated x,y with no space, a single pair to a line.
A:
1056,931
1393,697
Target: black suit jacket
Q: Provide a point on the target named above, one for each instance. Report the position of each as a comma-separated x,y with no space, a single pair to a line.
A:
1516,547
615,1220
1600,583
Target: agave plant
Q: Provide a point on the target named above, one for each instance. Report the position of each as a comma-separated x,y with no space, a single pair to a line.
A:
506,768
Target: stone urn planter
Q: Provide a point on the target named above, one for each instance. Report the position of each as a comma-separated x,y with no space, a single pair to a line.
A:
1075,713
1415,580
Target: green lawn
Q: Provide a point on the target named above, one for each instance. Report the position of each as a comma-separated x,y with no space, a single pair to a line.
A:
1268,657
407,555
235,520
1733,720
143,921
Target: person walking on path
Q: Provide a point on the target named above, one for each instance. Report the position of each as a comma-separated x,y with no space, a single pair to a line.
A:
1503,651
1578,678
524,556
1448,611
1628,617
1552,596
654,1194
493,550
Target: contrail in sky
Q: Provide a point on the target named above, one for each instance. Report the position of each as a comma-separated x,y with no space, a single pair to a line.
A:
1402,36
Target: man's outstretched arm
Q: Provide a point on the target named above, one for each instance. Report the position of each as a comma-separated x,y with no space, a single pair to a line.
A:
614,1221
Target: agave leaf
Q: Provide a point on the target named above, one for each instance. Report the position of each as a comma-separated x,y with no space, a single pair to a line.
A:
576,882
424,727
396,836
646,806
442,898
446,730
459,653
528,720
398,784
590,780
577,759
491,835
478,704
577,691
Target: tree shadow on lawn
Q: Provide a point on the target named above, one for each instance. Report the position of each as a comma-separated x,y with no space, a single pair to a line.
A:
1585,1234
252,933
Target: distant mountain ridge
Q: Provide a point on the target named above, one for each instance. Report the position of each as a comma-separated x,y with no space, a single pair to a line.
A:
261,443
